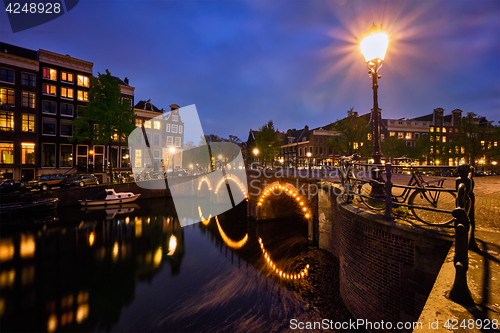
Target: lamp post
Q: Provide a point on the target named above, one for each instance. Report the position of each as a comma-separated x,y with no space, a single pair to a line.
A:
309,164
373,47
255,153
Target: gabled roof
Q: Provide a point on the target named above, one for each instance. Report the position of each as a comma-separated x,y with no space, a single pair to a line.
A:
120,81
147,105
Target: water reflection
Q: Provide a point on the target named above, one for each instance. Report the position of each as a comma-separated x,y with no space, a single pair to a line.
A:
135,269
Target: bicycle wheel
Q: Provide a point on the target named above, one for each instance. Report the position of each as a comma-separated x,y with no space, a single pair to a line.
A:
428,198
365,191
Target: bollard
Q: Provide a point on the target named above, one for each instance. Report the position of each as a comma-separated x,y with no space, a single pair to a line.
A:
388,192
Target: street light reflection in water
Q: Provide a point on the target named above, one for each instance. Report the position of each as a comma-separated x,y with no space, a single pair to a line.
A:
104,274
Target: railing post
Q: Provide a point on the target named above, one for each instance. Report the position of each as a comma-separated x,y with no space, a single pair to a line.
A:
460,292
468,200
388,191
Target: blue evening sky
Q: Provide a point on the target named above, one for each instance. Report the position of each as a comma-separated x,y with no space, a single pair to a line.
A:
243,63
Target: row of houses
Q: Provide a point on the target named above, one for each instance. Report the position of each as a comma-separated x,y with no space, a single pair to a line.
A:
444,129
40,94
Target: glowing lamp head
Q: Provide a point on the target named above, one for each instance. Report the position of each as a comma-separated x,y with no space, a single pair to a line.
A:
308,154
256,151
374,45
172,149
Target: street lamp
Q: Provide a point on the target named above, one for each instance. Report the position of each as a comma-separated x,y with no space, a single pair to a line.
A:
255,153
373,47
309,163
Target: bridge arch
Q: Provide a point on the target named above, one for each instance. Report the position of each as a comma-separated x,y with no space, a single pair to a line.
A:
234,179
204,180
288,190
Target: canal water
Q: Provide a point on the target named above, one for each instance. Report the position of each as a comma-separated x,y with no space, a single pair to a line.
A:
136,269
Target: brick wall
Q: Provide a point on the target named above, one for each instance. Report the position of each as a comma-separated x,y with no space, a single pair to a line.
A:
386,270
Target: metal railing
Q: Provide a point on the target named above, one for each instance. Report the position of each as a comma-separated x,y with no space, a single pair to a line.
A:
464,235
385,189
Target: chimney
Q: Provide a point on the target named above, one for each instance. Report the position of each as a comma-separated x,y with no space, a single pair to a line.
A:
126,80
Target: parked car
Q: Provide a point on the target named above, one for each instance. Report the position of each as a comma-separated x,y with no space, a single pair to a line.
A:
10,185
44,182
81,180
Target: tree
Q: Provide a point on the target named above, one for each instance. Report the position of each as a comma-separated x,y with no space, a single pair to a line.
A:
106,117
268,142
353,135
394,147
472,136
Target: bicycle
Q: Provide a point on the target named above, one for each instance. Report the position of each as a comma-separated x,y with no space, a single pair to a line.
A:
430,204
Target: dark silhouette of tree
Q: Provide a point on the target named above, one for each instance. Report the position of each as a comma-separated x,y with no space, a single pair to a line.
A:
106,117
268,142
353,136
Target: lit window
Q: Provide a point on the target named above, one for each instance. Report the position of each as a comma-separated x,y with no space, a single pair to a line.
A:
49,73
6,153
7,96
400,135
66,77
431,129
49,107
408,135
48,155
67,109
138,122
6,121
28,100
6,75
392,133
167,128
48,126
66,128
66,158
175,117
156,124
177,142
495,144
138,158
444,130
147,124
180,129
28,123
438,129
462,150
66,92
49,89
382,136
438,138
175,128
28,80
444,139
83,95
482,143
83,81
355,145
28,153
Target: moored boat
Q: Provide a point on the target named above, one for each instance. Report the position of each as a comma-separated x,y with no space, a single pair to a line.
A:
29,207
109,197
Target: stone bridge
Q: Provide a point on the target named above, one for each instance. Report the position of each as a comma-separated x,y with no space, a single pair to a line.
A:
387,268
